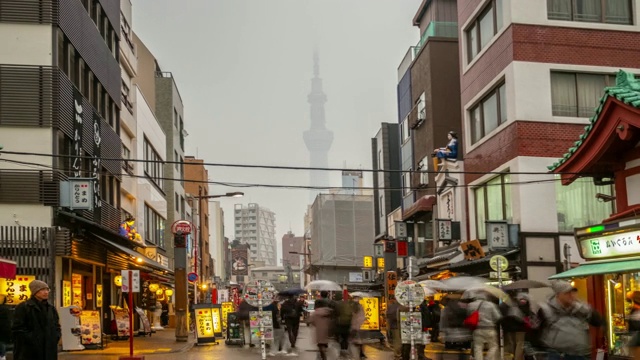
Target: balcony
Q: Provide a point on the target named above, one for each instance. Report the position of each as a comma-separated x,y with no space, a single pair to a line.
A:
437,29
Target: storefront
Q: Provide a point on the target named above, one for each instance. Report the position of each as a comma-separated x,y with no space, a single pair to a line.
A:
612,270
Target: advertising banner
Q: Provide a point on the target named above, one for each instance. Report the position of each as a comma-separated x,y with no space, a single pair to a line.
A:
227,307
267,323
371,314
216,316
16,290
207,323
239,262
411,326
91,329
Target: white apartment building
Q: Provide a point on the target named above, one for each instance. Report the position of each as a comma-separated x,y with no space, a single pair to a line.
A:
256,226
216,239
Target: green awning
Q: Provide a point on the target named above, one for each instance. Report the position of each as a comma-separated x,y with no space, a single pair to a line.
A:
614,266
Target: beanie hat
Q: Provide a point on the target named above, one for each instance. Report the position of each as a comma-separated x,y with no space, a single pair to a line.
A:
37,285
561,287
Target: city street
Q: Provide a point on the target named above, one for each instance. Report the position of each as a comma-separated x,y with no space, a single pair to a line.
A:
307,351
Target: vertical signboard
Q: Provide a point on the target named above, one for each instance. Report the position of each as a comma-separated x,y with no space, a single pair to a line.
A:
371,313
239,262
390,286
66,293
76,290
96,167
99,295
497,235
77,152
227,307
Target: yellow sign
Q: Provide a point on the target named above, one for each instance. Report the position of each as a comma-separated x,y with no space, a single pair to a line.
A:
380,263
16,290
371,314
99,295
368,261
66,293
204,323
76,290
217,321
227,307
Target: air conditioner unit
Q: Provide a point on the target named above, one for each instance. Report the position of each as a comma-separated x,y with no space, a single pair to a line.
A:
424,179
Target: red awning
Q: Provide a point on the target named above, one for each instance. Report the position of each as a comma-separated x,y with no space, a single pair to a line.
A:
7,269
424,204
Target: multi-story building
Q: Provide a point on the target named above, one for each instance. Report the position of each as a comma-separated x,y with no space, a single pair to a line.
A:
197,188
256,226
531,76
217,247
61,91
428,90
341,235
386,177
291,249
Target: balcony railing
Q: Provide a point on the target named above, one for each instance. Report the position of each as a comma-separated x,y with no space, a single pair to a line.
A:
437,29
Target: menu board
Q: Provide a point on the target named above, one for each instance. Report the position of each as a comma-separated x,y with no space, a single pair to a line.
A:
227,307
146,325
76,290
91,329
216,312
371,314
70,327
122,321
411,326
267,323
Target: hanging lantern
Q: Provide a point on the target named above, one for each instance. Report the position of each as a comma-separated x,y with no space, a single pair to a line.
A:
153,287
159,291
117,281
168,292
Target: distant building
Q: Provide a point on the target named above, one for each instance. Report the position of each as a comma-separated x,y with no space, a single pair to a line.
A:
256,226
352,182
291,243
385,149
218,247
341,234
279,276
197,176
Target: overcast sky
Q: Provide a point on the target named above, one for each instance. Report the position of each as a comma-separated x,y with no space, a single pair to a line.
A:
243,69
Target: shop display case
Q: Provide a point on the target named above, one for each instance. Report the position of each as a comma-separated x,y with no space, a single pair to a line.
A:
617,311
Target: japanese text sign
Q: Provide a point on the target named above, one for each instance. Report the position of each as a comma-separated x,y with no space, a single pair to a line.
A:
608,246
367,261
444,229
135,280
16,290
66,293
371,314
204,323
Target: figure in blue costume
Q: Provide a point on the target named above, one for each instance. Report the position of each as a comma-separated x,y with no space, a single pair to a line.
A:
451,150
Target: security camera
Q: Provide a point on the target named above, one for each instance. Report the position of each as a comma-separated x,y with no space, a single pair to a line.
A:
604,197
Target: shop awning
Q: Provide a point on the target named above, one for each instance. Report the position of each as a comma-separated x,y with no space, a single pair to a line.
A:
616,266
7,269
145,260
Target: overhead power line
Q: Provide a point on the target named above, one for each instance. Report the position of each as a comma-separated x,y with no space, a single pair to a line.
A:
282,167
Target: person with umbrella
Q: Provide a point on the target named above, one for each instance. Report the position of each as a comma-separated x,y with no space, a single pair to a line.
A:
487,317
516,323
291,310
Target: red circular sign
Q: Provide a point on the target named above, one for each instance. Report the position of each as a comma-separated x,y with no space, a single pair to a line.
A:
183,226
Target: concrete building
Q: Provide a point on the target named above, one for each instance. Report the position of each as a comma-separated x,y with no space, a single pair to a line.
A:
196,186
341,235
281,277
291,249
217,245
256,226
428,89
318,138
385,151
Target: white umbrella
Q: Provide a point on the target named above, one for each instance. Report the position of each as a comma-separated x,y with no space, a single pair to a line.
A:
463,283
363,294
323,285
432,284
428,291
478,291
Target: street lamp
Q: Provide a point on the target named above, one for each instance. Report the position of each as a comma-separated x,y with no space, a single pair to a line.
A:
234,194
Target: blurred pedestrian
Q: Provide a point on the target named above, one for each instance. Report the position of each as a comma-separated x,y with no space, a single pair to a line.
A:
634,323
291,311
244,310
278,331
5,327
393,327
357,320
515,324
485,332
36,326
565,324
453,332
342,326
322,320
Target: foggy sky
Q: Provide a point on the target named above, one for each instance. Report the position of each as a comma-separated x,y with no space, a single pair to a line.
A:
244,69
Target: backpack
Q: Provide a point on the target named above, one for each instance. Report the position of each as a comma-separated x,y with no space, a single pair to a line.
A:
344,313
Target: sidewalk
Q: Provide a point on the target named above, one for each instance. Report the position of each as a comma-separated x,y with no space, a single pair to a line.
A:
160,342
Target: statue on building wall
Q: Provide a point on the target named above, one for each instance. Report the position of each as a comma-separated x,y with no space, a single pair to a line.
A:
451,150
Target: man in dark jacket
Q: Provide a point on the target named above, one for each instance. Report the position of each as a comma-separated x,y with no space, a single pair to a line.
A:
243,315
5,327
291,311
36,326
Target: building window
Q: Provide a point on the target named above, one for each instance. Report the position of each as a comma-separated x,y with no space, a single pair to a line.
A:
404,130
577,94
154,227
493,202
488,114
177,203
598,11
578,206
484,28
406,182
153,165
175,118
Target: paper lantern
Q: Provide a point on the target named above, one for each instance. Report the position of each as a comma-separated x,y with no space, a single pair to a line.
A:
117,280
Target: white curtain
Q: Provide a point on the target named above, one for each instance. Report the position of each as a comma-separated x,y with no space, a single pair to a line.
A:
563,94
559,9
578,206
588,10
617,12
590,90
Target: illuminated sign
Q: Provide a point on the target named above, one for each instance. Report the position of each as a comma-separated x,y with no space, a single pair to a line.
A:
608,246
99,295
16,290
371,314
204,323
76,290
367,261
380,263
227,307
66,293
217,321
392,282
